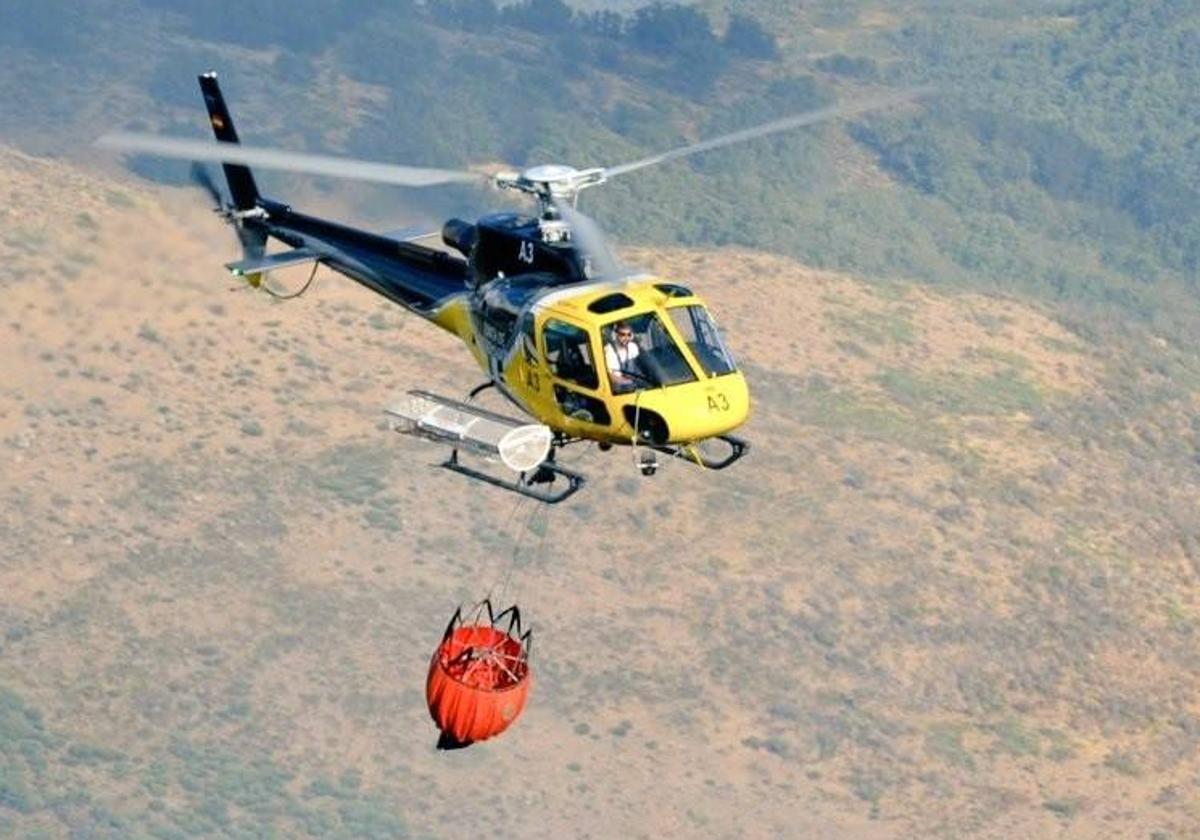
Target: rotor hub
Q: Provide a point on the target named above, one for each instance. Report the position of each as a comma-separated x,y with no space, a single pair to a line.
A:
550,174
551,182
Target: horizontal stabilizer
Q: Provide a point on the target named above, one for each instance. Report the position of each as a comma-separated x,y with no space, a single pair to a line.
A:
521,446
261,265
411,234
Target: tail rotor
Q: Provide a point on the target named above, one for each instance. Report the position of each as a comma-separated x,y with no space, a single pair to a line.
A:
253,239
202,178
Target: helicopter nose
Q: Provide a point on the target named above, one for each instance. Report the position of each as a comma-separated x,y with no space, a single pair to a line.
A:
721,405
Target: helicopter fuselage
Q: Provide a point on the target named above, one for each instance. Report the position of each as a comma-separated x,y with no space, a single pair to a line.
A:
586,349
542,329
583,348
551,350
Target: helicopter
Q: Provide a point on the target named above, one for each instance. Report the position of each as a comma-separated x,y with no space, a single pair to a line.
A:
539,301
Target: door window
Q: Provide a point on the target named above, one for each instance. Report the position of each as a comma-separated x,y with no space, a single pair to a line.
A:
569,354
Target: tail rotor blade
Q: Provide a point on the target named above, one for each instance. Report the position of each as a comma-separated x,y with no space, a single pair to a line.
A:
252,239
202,178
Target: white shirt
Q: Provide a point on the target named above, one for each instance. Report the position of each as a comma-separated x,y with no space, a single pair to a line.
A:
620,359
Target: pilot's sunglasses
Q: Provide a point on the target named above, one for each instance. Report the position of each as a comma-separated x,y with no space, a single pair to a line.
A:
624,334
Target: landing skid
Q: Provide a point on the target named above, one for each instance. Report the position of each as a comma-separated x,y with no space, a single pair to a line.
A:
529,483
526,450
691,454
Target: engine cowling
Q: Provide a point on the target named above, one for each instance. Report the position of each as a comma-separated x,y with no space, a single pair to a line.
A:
460,235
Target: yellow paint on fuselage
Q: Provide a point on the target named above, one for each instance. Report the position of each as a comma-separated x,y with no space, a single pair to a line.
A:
454,316
693,411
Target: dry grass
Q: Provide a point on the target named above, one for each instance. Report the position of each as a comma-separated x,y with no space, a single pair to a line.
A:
951,593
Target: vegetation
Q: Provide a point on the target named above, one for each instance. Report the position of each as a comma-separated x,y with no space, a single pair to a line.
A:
953,591
192,789
1057,155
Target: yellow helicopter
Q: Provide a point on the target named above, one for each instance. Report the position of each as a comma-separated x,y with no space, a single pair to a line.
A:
590,351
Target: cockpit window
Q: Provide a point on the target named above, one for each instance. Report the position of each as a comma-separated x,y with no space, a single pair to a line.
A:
700,333
639,353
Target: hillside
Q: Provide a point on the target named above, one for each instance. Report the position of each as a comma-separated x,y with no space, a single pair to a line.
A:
1058,156
951,593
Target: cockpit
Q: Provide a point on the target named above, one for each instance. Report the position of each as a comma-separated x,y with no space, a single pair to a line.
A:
640,352
598,367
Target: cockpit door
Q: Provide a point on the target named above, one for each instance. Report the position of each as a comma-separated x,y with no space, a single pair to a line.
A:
525,369
569,356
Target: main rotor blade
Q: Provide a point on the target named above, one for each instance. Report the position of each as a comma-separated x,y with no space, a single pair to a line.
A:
339,167
833,112
591,240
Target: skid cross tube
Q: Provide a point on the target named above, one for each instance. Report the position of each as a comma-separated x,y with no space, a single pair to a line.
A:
527,483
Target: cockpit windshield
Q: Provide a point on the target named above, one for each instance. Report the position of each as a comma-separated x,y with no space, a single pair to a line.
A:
640,353
700,333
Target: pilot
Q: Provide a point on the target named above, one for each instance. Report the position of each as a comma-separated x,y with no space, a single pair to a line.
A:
619,354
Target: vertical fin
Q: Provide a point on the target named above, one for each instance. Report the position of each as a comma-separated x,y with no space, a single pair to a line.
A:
241,182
